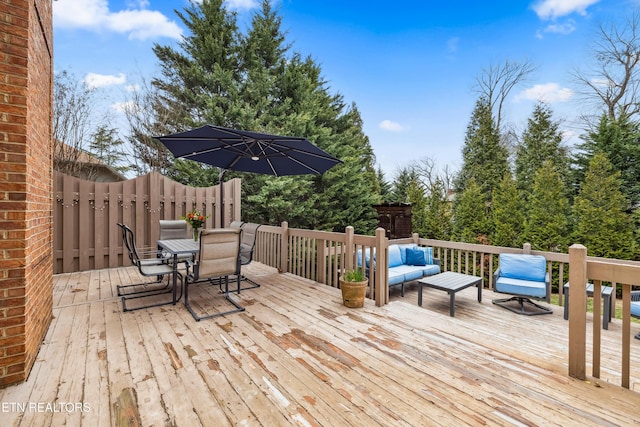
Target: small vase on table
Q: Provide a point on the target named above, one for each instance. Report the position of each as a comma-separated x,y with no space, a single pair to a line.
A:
196,233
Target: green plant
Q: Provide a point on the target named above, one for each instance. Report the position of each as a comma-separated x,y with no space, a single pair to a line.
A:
355,275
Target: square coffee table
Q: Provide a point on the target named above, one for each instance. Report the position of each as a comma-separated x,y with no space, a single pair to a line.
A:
451,283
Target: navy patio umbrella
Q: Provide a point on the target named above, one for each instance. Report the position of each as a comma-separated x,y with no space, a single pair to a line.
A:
246,151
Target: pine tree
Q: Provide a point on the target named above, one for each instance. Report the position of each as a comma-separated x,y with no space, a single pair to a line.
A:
252,81
602,224
547,223
541,141
485,159
619,139
438,221
471,220
508,214
107,147
416,195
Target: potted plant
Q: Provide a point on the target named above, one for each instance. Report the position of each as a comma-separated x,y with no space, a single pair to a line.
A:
353,284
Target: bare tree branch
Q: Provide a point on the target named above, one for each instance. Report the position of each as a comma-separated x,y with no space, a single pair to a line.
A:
496,82
614,79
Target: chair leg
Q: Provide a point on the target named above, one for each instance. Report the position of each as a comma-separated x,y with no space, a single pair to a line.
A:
197,317
150,293
521,306
637,336
122,289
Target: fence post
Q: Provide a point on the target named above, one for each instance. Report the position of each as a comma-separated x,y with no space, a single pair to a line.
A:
577,311
526,248
284,255
382,272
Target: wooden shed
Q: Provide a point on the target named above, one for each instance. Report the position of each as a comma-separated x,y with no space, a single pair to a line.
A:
395,218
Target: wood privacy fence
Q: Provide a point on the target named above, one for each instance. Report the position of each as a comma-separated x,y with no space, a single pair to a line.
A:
85,215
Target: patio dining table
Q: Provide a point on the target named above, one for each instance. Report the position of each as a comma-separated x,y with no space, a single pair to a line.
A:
177,247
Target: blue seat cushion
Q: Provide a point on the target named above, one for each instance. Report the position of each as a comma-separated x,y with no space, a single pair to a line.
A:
404,273
635,309
523,267
528,288
430,270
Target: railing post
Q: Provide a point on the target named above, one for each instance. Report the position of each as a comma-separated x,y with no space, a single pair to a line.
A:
284,244
416,238
577,311
382,272
349,250
526,248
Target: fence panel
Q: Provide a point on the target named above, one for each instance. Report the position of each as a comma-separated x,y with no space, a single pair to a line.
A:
85,215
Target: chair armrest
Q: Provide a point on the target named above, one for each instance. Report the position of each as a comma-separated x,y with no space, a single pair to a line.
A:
635,296
436,261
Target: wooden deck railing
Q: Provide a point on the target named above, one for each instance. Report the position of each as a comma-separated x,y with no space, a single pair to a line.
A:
583,269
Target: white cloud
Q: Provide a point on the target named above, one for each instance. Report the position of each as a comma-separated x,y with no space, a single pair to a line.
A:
548,92
93,80
452,44
242,4
94,15
552,9
123,107
390,126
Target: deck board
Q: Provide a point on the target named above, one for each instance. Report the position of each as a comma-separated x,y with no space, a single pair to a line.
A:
296,357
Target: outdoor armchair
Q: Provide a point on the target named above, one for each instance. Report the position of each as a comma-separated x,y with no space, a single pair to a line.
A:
174,229
525,277
149,264
218,258
635,307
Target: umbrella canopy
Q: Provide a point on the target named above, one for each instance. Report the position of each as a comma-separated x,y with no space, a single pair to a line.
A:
246,151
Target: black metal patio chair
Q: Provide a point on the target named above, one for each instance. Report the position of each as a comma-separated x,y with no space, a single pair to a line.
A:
149,264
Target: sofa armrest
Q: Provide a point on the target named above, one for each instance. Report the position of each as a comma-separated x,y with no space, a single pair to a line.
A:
436,261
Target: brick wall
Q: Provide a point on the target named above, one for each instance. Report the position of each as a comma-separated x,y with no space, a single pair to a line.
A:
26,258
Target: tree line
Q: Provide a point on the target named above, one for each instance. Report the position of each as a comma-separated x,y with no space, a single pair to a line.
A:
512,188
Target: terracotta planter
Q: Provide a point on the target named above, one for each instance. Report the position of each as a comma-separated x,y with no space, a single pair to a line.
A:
353,293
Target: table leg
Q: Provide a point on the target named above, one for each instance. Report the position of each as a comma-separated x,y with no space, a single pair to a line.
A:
420,294
452,304
175,277
607,312
480,291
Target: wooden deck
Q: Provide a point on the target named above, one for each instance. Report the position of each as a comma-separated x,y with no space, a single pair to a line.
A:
297,357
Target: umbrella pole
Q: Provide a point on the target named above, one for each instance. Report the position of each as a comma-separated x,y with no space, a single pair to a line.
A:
220,180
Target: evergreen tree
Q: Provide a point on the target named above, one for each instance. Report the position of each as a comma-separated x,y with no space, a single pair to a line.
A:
547,223
251,81
438,221
601,221
507,211
619,139
107,147
403,179
385,186
471,220
416,195
541,141
485,159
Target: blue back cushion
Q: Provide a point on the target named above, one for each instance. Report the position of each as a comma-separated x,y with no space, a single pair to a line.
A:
524,267
403,250
416,257
428,254
395,256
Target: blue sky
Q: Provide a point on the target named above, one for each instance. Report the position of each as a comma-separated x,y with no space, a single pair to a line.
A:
410,67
